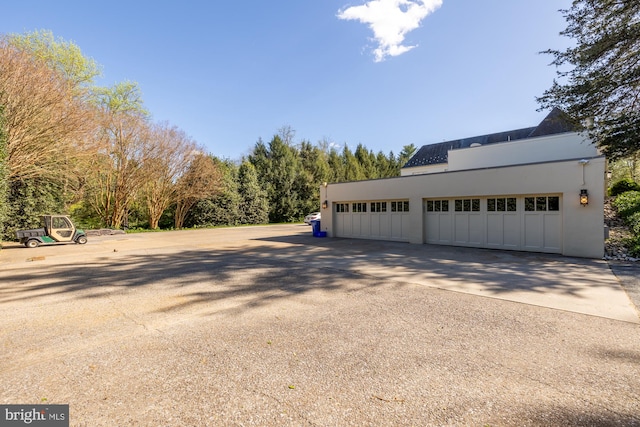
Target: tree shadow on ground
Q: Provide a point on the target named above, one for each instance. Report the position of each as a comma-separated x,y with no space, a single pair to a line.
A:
499,272
586,417
276,267
198,276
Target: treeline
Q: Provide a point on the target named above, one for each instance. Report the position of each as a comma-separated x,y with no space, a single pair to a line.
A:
69,146
279,181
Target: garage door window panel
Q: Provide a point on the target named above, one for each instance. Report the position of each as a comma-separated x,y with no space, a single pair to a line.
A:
437,205
467,205
542,204
400,206
378,207
503,204
359,207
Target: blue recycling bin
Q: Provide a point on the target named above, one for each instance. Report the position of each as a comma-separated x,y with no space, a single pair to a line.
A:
315,227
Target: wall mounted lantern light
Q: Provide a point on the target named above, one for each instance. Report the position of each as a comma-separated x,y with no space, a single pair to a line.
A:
325,204
584,197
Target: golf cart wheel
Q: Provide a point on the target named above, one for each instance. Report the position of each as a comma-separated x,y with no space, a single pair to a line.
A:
81,240
33,243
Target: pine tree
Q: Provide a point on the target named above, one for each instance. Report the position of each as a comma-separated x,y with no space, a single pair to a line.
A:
336,167
599,76
254,205
352,169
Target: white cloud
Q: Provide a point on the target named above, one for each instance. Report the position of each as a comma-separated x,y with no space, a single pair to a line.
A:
390,21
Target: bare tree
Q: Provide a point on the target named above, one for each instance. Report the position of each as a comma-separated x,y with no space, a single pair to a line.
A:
171,154
46,123
117,170
123,144
201,180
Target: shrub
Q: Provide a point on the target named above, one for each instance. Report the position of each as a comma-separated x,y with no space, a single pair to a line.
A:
627,204
634,223
634,246
622,186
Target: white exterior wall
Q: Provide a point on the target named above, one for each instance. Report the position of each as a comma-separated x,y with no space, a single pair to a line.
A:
542,149
582,226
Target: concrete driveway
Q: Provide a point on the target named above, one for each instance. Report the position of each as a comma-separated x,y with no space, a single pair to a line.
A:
270,326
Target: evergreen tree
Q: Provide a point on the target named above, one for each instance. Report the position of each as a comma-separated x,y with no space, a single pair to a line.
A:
284,169
314,171
28,200
352,169
599,76
292,176
392,168
367,162
405,155
383,165
277,167
314,160
254,205
336,167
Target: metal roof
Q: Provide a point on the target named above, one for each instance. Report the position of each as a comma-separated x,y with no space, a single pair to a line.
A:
555,122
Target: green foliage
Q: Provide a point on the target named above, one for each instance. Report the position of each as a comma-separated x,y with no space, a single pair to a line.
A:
625,168
65,57
29,199
353,170
622,186
166,220
292,176
634,222
124,97
627,204
367,162
600,75
336,167
283,190
222,209
405,155
634,246
277,167
254,205
83,216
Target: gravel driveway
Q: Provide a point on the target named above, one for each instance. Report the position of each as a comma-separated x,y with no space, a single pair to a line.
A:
268,326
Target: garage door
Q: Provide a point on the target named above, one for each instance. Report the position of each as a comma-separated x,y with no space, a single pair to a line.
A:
380,220
530,223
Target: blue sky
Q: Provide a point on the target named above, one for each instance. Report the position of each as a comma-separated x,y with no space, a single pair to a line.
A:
384,73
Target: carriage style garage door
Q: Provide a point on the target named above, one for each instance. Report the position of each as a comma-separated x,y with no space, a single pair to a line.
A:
380,220
525,223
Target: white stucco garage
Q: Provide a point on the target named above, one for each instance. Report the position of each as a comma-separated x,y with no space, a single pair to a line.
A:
514,190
